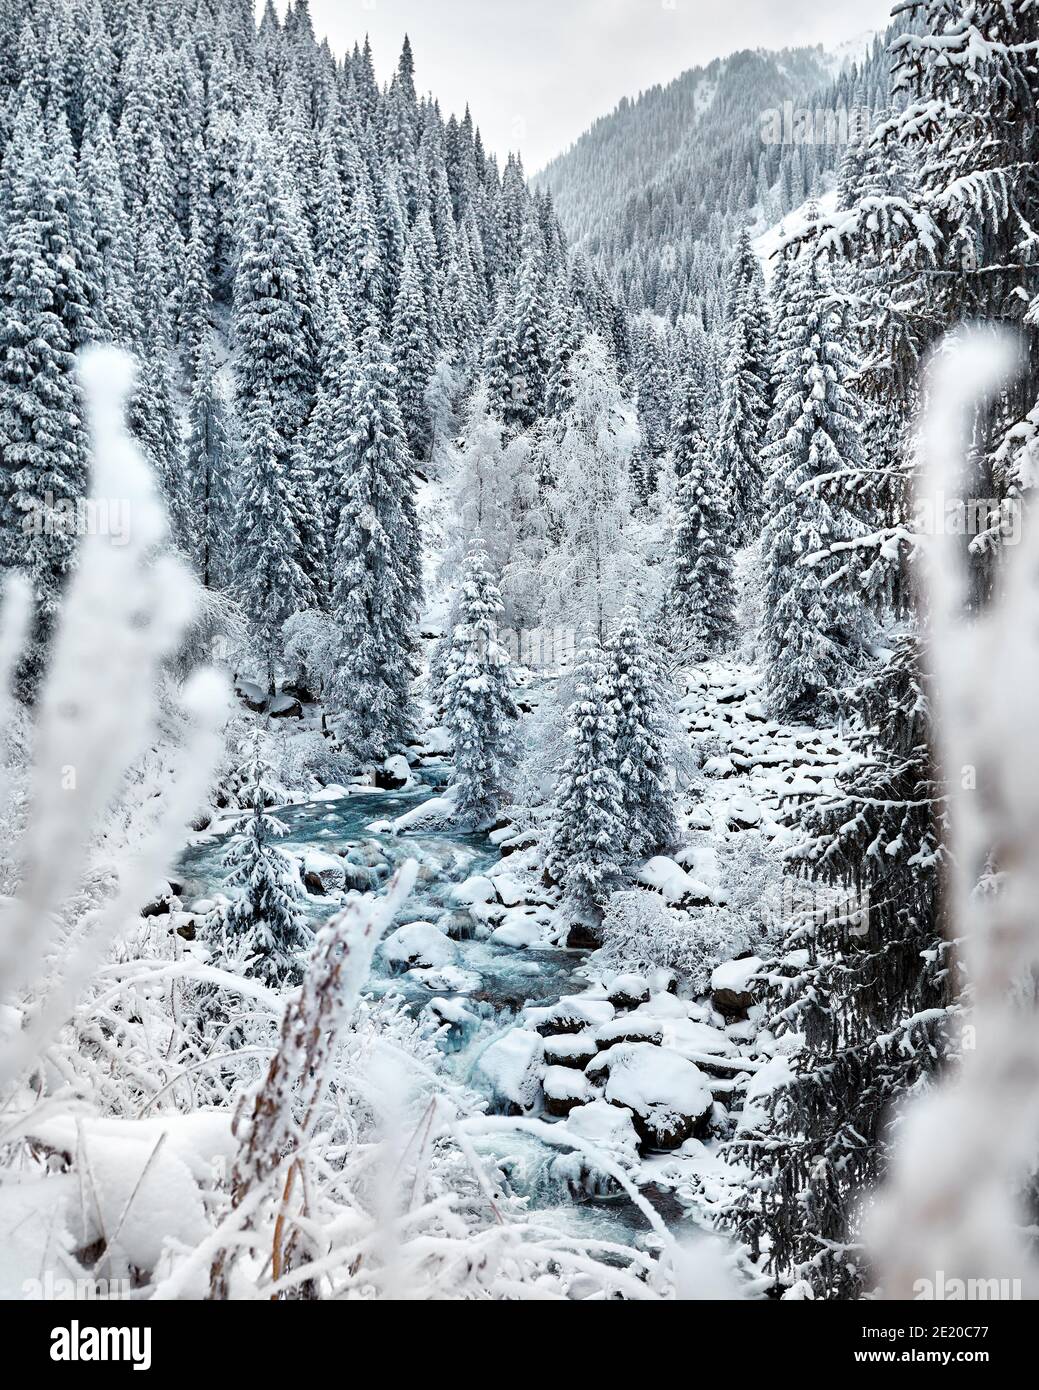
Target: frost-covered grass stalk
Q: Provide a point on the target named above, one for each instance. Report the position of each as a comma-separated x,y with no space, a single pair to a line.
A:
967,1151
123,616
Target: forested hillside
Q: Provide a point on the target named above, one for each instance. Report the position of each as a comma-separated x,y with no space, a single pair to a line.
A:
661,185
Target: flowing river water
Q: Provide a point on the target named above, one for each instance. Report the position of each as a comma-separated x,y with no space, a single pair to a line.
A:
501,979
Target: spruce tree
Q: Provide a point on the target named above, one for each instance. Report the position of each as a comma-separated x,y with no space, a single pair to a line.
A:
644,738
815,622
210,462
153,412
588,835
269,582
266,913
702,602
274,327
412,356
376,566
745,393
530,329
480,712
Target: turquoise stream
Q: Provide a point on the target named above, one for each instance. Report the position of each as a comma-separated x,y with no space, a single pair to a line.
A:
509,978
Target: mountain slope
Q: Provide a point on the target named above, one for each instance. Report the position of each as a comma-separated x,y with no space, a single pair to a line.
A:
665,178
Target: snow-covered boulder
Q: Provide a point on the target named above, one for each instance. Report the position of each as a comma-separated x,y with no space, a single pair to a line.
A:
667,1095
394,775
608,1127
731,993
631,1027
564,1088
333,792
509,889
418,944
434,811
252,696
742,813
696,1039
285,707
474,890
675,885
664,1005
573,1014
323,873
163,900
517,931
627,991
571,1050
453,1014
775,1073
512,1066
446,979
513,841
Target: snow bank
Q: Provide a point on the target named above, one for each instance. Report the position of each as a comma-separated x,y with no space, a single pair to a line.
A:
142,1177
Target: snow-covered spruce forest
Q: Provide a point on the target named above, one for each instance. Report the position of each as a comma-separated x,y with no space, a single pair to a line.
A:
487,748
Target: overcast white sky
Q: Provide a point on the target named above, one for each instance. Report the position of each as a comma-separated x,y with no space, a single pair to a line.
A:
536,73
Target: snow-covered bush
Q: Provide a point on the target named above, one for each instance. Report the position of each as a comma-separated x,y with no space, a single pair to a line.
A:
751,869
641,932
311,640
302,757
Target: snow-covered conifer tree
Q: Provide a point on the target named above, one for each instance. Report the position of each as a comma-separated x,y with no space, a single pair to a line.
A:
589,833
412,355
815,622
269,582
645,737
745,393
265,913
701,602
210,461
479,709
376,567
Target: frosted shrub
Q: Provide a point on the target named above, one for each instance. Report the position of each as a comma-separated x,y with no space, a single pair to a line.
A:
751,869
640,932
301,759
